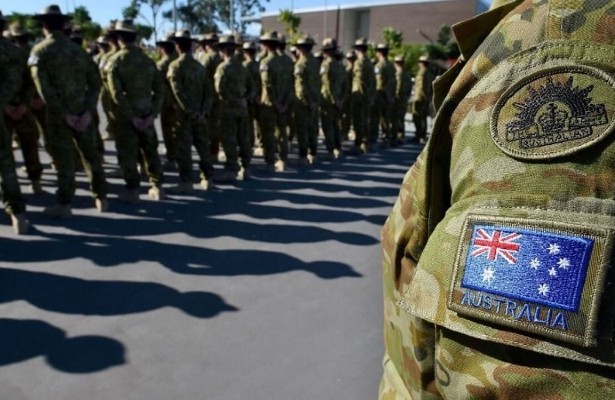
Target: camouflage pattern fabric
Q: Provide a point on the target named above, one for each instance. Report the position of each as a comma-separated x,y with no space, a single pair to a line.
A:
104,65
403,90
384,73
255,83
137,89
363,92
210,59
306,84
517,174
168,118
332,95
271,121
64,97
193,93
232,86
421,99
11,78
347,111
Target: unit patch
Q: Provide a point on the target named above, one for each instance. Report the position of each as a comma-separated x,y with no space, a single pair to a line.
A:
534,276
554,112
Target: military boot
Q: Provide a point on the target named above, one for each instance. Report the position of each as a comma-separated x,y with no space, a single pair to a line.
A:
156,193
60,211
37,188
20,223
280,166
101,204
206,184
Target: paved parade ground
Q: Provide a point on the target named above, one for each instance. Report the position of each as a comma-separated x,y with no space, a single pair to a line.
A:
265,289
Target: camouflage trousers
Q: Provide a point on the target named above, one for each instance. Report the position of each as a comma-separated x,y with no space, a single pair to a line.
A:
360,118
130,144
28,132
380,119
14,202
274,132
213,128
235,135
192,133
306,129
110,110
398,125
346,117
63,140
168,123
420,112
329,120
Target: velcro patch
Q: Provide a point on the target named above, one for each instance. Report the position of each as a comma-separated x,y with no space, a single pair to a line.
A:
540,277
554,112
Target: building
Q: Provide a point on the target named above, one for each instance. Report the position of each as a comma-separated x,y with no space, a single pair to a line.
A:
418,20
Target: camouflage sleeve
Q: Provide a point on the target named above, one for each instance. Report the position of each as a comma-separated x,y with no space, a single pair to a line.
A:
94,84
208,94
174,77
269,82
43,85
224,85
116,89
158,91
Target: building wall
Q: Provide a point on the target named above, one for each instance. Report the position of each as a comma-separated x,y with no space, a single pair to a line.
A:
347,24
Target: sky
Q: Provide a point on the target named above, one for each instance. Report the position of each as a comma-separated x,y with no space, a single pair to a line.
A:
103,11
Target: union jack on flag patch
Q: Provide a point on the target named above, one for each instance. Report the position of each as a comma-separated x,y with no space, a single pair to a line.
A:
494,244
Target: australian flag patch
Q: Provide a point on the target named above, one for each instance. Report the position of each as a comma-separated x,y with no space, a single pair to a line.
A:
530,276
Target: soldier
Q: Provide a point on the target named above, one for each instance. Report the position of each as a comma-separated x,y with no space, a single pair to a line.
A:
192,90
347,111
70,104
403,91
273,106
19,118
385,96
10,71
137,89
363,88
307,97
332,76
210,58
498,279
168,119
232,84
422,97
249,51
286,96
106,101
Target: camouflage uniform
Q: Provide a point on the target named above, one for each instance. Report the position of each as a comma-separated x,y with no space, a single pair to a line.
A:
193,93
63,97
384,72
496,257
232,87
347,111
9,71
137,89
255,82
307,85
363,91
26,128
421,99
286,100
332,76
109,108
403,91
210,59
271,121
168,117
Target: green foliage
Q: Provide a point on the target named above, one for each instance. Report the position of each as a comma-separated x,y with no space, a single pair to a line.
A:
199,16
81,18
291,22
410,52
445,48
133,10
393,38
27,23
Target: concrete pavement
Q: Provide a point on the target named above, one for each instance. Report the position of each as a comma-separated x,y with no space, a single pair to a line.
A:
264,289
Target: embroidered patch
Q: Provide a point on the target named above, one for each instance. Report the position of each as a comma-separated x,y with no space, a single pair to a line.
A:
538,277
554,112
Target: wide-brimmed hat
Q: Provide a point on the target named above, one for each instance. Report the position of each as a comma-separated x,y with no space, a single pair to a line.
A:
51,11
249,45
360,43
351,55
17,30
102,40
424,59
399,59
166,40
305,41
126,25
382,46
227,41
329,44
269,37
208,38
181,36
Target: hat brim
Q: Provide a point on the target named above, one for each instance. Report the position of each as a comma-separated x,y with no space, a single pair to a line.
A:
328,48
42,17
116,31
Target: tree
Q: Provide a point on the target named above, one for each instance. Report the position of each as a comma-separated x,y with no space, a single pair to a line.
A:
133,10
81,18
209,15
27,23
